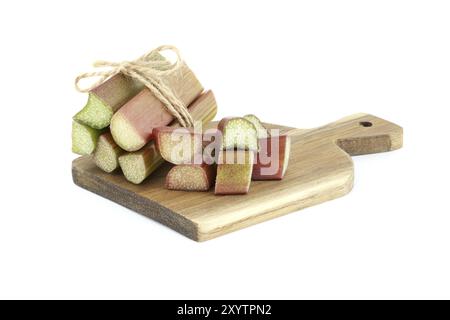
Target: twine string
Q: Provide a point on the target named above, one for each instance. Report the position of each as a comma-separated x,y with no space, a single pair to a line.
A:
148,69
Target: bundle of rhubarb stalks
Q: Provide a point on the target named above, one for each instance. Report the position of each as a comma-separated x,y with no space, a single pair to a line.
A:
124,126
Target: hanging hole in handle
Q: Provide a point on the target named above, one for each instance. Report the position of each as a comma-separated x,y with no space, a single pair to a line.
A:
366,124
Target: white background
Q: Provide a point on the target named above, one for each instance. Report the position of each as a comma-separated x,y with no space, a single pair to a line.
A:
301,64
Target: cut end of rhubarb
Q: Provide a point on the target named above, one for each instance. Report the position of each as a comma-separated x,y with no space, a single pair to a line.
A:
179,145
96,114
137,166
125,134
106,155
84,139
234,172
262,131
238,133
190,178
133,167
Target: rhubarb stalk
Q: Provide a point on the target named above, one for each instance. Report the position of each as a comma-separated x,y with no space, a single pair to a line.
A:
106,99
272,159
178,145
84,138
106,155
136,166
234,172
191,177
133,124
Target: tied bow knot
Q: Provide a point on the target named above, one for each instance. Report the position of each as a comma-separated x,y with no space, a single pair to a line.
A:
149,69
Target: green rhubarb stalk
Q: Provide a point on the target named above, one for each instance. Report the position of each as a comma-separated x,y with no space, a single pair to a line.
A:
138,165
106,99
234,172
84,138
107,153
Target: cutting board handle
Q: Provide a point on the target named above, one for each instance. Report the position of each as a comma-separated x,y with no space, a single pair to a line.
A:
358,134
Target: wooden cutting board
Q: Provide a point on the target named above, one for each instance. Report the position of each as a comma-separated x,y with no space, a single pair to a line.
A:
320,169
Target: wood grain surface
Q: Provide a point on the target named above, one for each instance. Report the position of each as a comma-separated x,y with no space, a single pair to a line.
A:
320,169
